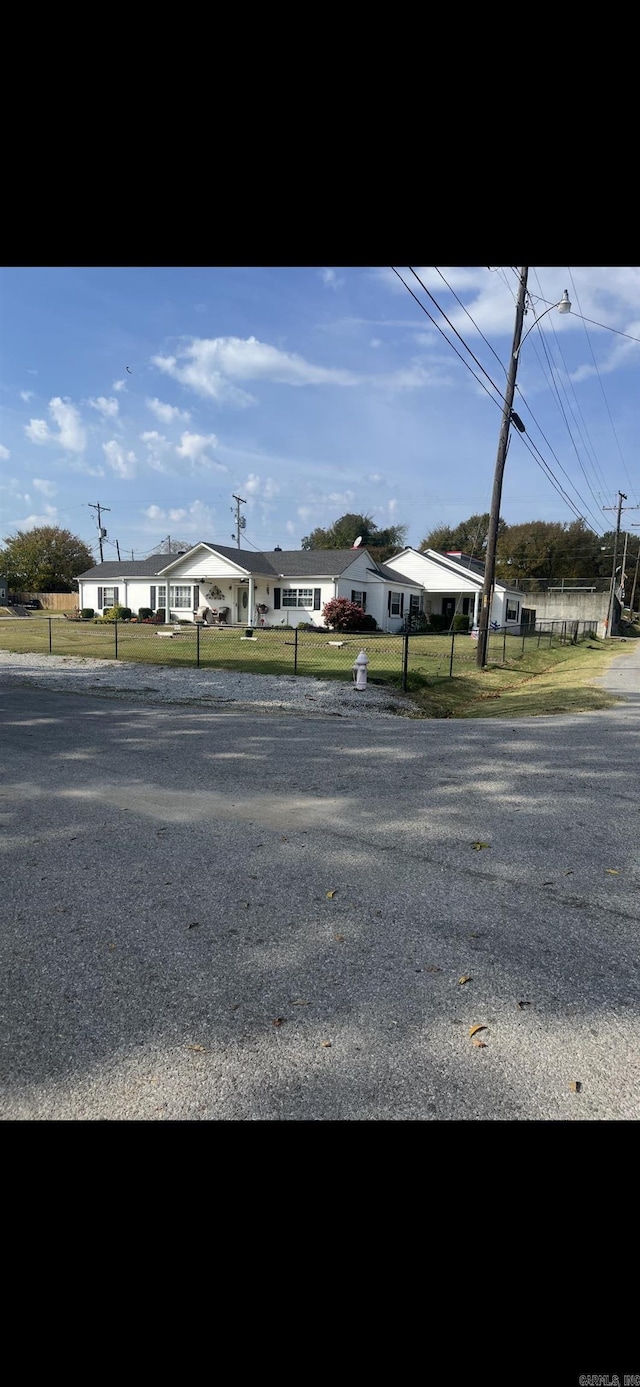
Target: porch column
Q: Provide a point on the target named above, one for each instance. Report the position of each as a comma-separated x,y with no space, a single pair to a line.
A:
251,602
476,604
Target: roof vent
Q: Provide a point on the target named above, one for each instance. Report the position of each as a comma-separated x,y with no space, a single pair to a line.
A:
278,549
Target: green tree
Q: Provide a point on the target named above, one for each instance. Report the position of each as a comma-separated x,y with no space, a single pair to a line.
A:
469,537
46,559
343,532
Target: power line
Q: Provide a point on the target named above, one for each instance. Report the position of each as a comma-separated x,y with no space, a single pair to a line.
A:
454,329
601,385
447,339
466,310
595,464
528,444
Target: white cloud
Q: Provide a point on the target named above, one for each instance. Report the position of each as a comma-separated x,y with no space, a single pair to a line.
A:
340,498
375,342
330,279
258,489
192,448
4,452
29,522
196,520
119,385
167,413
210,364
71,433
108,408
47,488
306,512
123,464
374,477
290,527
26,395
392,507
38,431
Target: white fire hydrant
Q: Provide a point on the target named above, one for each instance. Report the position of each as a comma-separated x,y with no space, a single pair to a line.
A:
359,670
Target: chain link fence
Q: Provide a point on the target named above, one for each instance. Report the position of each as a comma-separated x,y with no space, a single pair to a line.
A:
393,659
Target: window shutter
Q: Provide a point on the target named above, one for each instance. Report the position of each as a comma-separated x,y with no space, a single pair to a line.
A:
317,593
276,598
196,597
389,603
364,600
401,604
152,597
100,598
116,596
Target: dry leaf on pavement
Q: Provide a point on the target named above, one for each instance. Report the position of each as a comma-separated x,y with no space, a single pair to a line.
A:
279,1021
480,1044
612,871
576,1086
330,894
473,1030
326,1044
480,845
200,1049
465,978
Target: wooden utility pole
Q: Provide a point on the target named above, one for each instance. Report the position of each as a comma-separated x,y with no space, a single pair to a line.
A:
240,520
612,590
118,550
503,443
101,532
635,577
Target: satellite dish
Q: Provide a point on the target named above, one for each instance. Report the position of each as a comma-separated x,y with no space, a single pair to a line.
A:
356,542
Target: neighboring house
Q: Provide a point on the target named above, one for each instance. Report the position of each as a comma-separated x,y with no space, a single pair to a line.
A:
4,592
453,583
278,588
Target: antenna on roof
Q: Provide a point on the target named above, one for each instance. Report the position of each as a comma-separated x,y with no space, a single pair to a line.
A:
356,542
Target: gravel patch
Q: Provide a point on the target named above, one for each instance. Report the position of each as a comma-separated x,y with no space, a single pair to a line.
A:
210,687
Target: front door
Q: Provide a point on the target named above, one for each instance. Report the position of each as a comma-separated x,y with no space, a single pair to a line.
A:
448,608
242,603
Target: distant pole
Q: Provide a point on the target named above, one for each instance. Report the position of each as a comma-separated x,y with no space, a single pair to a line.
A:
612,590
239,502
503,442
624,556
118,549
635,579
99,509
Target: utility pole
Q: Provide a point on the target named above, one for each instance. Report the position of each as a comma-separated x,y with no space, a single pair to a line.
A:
503,443
635,578
240,519
118,549
619,508
101,533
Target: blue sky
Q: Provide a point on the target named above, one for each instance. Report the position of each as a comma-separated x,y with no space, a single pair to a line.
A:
310,392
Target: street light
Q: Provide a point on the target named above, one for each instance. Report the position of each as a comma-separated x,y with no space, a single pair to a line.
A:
508,418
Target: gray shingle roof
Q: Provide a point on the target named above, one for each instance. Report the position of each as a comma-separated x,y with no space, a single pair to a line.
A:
311,563
291,563
132,568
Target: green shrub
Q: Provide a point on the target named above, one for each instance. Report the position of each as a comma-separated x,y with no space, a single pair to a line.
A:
249,632
460,622
368,623
144,612
87,613
438,621
116,613
158,619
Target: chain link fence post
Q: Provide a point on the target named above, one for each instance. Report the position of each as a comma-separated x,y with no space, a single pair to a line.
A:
115,632
504,646
49,620
405,662
295,651
453,642
197,645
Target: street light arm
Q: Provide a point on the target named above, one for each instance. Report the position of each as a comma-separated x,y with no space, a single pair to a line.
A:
564,306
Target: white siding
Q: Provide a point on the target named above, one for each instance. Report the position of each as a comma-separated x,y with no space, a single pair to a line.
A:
203,563
291,616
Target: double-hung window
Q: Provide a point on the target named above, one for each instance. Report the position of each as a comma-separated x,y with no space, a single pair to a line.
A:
360,598
181,598
297,597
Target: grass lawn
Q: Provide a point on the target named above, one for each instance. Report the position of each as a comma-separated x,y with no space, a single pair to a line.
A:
541,680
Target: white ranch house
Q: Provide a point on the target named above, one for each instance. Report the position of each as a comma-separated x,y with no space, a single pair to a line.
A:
453,583
278,588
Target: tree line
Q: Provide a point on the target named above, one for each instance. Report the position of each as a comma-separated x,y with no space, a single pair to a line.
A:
48,558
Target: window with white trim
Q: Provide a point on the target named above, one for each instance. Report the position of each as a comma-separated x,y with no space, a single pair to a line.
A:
395,603
297,597
108,598
414,604
512,610
360,598
181,597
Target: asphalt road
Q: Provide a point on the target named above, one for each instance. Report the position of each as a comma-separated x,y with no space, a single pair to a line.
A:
165,886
